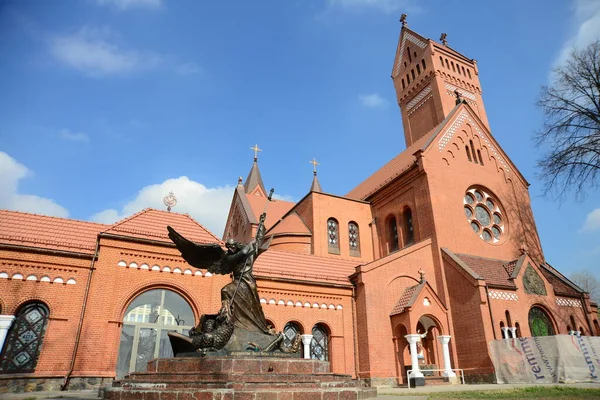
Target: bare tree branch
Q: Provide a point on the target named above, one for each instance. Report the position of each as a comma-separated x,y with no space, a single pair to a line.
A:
571,129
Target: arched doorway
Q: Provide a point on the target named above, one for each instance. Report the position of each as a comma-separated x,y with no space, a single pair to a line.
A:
402,352
25,338
540,323
427,348
147,320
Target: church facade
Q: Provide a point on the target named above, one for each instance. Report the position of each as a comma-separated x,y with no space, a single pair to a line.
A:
417,268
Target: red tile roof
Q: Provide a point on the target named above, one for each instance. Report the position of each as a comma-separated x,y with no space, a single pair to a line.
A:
274,263
490,269
41,231
152,224
393,169
558,282
290,224
407,298
275,210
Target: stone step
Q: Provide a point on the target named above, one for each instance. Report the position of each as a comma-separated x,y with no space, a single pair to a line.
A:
207,377
231,394
249,385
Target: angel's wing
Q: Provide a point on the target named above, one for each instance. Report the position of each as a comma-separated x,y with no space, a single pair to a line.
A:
205,256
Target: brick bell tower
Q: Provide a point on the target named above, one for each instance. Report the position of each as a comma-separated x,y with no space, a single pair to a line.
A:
426,77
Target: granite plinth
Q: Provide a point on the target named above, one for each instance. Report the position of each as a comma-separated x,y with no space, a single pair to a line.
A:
232,378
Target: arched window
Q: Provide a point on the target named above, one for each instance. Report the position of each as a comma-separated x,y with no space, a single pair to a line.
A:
25,338
502,330
409,57
468,153
333,236
452,63
447,64
573,324
418,69
469,73
353,239
473,151
412,72
508,321
403,84
479,155
407,79
409,234
464,73
518,330
319,346
423,63
290,331
147,320
392,234
540,323
441,61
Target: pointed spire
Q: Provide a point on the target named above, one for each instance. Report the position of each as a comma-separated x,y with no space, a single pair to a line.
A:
316,186
254,179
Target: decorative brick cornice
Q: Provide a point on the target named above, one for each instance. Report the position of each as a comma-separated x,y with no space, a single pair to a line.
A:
498,295
465,117
566,302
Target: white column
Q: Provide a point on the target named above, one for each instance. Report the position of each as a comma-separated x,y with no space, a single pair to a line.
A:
306,339
412,341
444,340
5,323
513,331
505,332
577,333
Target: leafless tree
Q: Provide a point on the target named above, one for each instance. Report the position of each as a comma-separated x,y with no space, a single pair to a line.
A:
588,282
571,131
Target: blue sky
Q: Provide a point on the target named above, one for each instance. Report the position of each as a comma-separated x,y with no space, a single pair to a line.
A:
109,104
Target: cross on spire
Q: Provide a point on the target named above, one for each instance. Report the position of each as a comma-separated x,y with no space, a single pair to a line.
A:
444,39
403,19
256,150
314,163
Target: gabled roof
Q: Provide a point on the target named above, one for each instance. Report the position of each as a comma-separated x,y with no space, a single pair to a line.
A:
407,35
275,209
399,164
291,223
152,224
562,286
492,270
51,233
254,179
407,298
304,267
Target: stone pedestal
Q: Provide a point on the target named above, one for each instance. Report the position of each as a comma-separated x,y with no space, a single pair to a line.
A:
235,378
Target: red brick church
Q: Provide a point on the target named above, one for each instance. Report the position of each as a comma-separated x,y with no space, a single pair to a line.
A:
418,267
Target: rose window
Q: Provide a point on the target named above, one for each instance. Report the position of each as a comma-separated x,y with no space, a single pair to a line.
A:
484,215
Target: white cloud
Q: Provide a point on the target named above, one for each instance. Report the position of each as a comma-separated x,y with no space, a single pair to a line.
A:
373,100
592,221
74,136
11,172
188,68
587,27
91,52
387,6
208,206
123,5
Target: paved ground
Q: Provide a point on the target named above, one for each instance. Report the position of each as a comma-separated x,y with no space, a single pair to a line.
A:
419,393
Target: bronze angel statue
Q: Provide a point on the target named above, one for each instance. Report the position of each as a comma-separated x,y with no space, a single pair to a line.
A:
240,323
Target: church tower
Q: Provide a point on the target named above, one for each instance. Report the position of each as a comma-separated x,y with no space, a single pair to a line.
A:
427,77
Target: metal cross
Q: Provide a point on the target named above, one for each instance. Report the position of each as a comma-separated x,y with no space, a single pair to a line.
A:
256,150
314,163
